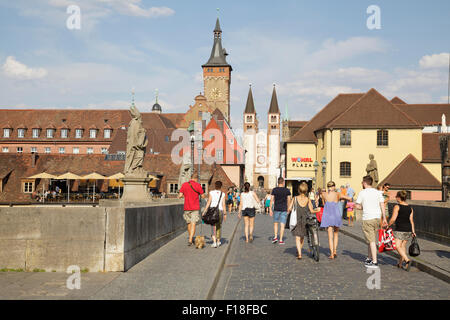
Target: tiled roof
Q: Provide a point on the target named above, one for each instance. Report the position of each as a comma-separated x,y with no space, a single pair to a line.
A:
335,107
426,114
397,100
296,124
373,111
431,151
411,174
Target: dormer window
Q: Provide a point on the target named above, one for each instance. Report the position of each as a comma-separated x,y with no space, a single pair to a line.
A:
107,133
6,133
78,133
20,133
93,133
50,133
64,133
35,133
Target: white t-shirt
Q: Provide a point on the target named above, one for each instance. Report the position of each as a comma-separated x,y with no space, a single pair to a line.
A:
247,200
370,200
215,196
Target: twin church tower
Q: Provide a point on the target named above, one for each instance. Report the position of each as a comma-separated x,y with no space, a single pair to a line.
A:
262,158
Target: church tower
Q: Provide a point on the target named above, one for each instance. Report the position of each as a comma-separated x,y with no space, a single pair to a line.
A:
273,139
250,131
217,76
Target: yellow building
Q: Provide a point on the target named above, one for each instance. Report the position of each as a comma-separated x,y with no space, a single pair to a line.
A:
352,127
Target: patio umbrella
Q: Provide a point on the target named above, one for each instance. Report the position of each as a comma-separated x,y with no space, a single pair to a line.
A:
43,175
94,176
68,176
116,176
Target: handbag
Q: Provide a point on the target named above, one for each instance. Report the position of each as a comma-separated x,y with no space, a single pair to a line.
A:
291,220
414,249
386,240
212,216
319,215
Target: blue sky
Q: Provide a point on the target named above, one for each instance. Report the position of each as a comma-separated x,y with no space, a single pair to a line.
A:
312,50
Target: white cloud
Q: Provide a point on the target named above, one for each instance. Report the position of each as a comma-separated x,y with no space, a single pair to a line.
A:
435,61
15,69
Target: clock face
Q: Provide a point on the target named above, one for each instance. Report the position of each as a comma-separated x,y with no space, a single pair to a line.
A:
261,159
215,93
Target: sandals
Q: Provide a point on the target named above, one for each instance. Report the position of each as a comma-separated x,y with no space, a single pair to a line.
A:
299,257
407,265
331,257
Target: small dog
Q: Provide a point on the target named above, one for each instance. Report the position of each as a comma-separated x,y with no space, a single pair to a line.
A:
199,242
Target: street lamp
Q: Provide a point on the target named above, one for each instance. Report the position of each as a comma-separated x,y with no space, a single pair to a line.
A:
316,167
324,167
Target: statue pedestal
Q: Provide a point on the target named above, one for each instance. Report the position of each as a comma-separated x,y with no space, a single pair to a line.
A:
135,189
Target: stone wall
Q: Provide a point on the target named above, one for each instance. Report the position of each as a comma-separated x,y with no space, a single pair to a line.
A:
93,238
431,220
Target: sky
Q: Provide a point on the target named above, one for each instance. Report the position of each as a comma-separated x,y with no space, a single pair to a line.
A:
311,50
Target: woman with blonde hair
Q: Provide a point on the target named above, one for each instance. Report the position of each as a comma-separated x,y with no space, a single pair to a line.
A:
304,207
332,218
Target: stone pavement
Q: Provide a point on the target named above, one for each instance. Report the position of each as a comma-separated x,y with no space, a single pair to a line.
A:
175,271
434,257
262,270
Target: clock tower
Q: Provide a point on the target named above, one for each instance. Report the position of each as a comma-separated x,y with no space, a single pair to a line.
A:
217,76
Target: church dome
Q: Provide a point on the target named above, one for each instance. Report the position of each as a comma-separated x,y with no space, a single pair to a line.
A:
156,107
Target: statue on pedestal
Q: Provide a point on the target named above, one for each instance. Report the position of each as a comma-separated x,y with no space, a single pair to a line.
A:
372,170
136,144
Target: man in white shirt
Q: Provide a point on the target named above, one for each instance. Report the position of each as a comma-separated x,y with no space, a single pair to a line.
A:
371,201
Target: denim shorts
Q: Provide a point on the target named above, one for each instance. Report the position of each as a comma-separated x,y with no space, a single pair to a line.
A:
280,216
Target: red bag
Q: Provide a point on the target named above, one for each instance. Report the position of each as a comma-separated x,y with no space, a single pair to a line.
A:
319,214
386,240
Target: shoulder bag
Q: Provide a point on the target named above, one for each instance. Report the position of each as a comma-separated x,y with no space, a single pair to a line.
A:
212,216
414,249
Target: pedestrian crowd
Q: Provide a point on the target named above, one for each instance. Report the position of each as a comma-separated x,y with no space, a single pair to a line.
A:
330,206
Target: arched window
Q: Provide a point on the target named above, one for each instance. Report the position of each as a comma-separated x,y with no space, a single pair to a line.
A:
345,169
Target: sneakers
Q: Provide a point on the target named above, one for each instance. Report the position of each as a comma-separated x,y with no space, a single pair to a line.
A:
214,245
281,242
368,261
219,244
372,265
275,240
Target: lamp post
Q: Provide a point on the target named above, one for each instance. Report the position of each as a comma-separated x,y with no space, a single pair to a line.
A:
316,167
324,167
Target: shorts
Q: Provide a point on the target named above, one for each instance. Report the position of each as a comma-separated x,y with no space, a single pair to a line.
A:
370,230
191,216
350,214
280,217
229,202
402,235
249,212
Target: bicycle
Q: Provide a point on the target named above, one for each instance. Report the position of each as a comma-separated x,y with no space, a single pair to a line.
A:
312,234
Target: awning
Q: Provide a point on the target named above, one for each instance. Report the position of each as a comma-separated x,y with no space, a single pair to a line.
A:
69,175
94,176
43,175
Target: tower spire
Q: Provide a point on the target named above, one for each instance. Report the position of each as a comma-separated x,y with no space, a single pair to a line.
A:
250,106
218,54
274,102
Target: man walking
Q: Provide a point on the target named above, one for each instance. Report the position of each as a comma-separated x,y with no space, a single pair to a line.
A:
191,191
371,202
281,197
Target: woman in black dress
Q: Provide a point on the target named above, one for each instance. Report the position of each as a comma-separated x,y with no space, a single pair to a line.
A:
304,208
403,217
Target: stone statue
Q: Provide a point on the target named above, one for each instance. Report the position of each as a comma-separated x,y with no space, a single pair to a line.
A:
136,144
185,169
372,170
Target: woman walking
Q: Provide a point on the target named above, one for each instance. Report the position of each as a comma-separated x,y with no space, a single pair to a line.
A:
217,199
332,218
403,217
267,203
230,196
303,206
247,210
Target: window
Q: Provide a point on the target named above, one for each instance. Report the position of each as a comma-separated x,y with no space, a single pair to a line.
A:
21,133
382,138
64,133
345,169
346,138
62,150
104,150
90,150
5,149
78,133
273,119
50,133
76,150
28,187
219,155
121,152
35,133
93,133
107,133
249,119
19,149
33,149
6,133
166,138
173,188
47,150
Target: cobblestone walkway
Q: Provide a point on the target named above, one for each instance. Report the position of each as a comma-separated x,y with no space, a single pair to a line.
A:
262,270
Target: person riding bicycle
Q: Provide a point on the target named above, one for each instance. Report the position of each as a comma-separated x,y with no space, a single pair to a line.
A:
304,208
